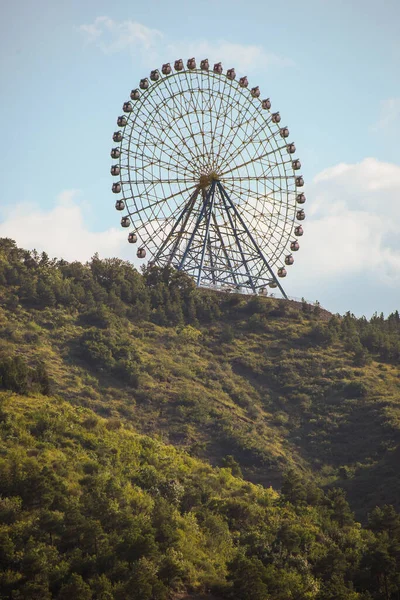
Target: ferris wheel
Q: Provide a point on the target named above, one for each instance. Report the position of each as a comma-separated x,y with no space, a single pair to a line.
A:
207,178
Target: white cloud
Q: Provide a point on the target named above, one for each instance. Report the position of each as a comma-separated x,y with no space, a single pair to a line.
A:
370,184
62,231
115,36
351,234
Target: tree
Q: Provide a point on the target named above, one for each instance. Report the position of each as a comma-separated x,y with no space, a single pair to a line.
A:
247,576
232,464
76,588
293,489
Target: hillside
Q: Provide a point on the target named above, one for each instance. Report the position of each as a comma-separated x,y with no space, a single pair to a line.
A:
89,509
104,371
257,383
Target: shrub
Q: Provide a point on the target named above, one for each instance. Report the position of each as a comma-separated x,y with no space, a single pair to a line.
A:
355,389
16,375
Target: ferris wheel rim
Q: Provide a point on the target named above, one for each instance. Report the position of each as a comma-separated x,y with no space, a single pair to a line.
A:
139,214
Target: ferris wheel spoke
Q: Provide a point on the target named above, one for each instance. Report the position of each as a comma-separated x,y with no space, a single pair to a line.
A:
208,112
154,181
241,124
163,200
263,171
162,145
241,127
157,114
196,108
168,166
234,155
266,190
254,152
222,117
151,158
188,121
248,162
248,177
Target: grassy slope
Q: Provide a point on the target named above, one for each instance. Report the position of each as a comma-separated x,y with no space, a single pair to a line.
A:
78,489
270,398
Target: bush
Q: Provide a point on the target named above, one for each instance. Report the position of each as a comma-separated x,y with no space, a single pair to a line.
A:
355,389
17,376
111,352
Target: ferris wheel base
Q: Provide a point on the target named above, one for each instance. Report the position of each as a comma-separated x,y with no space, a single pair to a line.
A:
234,289
236,262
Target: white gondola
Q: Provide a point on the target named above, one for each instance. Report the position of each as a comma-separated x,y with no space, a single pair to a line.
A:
119,205
284,132
155,75
299,181
218,68
122,121
115,152
273,284
191,63
144,84
116,187
204,65
178,65
289,260
296,164
231,74
243,82
127,107
135,94
282,272
132,238
298,231
141,253
166,69
291,148
276,117
115,170
125,222
300,215
294,246
117,136
255,92
300,198
266,104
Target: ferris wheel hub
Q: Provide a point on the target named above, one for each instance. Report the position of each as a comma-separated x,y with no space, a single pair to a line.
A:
206,179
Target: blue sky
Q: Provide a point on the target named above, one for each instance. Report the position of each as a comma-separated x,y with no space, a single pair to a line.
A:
330,67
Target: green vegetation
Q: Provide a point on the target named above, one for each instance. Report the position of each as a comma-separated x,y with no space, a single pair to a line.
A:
275,392
90,509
